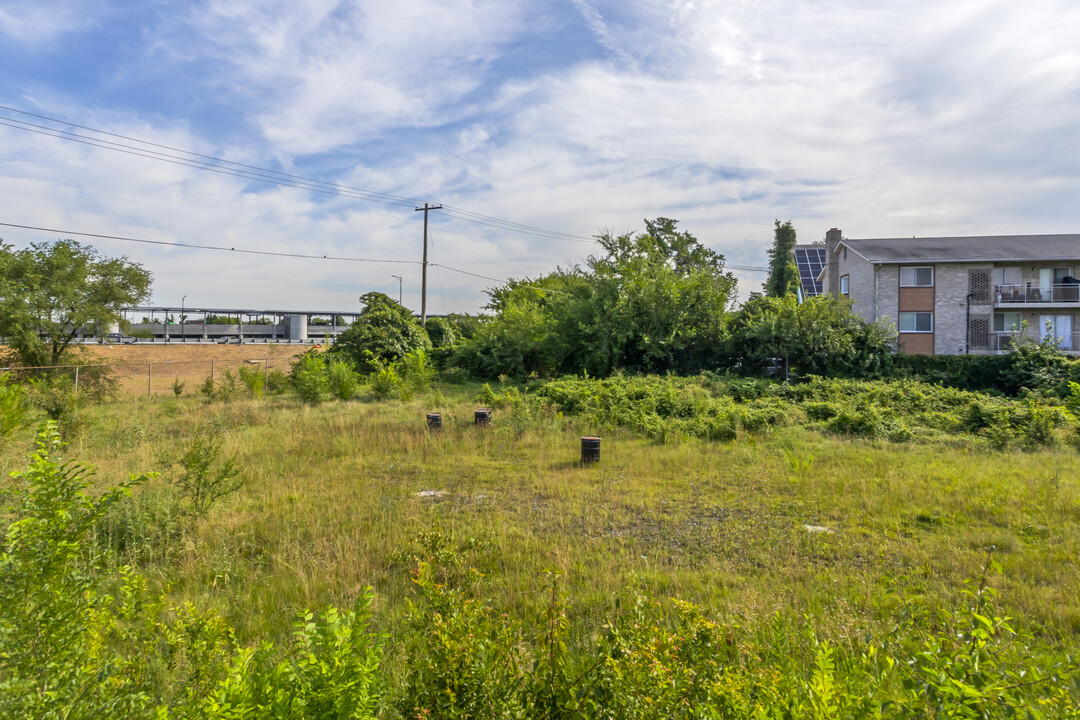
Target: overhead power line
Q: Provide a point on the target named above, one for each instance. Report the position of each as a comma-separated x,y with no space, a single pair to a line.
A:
187,158
373,193
209,247
251,252
312,185
257,252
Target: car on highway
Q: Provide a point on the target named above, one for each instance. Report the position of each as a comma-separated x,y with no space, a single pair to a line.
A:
120,338
228,340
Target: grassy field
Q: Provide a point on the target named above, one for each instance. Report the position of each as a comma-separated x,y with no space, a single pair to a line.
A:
786,521
796,538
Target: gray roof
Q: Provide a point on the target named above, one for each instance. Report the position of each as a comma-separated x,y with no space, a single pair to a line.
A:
996,248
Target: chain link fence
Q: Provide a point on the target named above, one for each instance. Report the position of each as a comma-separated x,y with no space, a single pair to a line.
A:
151,379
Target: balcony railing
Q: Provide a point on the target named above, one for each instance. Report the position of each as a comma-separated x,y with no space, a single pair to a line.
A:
1002,341
1056,293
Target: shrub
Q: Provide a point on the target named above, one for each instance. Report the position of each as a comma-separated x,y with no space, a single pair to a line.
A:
719,427
341,378
442,333
203,480
821,410
415,369
487,397
898,432
1037,366
331,670
254,379
277,382
14,409
56,396
1039,428
226,388
386,383
309,377
1072,402
866,423
764,413
222,391
897,410
821,336
53,615
520,342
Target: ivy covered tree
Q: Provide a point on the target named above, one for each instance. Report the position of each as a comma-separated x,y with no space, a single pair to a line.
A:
385,329
51,291
783,273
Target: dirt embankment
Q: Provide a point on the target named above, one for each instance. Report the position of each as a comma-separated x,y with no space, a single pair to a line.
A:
177,352
153,369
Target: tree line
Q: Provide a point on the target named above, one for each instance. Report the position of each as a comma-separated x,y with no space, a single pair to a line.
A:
654,301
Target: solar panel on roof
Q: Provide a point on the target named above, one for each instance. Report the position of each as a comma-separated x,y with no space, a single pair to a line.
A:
810,261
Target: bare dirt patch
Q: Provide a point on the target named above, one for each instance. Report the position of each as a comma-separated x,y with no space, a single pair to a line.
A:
142,369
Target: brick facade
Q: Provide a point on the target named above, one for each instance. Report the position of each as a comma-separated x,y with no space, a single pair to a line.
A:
963,298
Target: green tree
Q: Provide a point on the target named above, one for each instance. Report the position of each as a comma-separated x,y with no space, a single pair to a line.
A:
385,329
655,301
783,273
50,291
821,336
442,332
662,244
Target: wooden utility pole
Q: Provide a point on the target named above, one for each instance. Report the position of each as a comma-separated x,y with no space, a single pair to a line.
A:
423,275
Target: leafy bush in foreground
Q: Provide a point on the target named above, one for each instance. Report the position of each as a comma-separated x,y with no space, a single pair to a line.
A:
54,613
79,641
668,660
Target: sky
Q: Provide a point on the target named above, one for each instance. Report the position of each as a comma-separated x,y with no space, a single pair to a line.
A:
568,117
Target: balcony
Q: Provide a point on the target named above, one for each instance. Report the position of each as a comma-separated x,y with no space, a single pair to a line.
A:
1002,341
1046,295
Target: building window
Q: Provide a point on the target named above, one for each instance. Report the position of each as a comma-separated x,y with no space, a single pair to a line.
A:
917,276
1007,276
844,285
1007,322
919,322
1059,326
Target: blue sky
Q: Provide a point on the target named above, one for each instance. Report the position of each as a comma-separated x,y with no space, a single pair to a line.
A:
576,116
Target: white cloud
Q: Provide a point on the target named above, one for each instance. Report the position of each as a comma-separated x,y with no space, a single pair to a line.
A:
327,74
908,118
30,22
604,36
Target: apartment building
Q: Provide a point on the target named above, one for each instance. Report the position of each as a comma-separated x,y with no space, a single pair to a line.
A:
956,295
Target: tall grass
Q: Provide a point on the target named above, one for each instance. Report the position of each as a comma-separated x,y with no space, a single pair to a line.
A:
789,521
